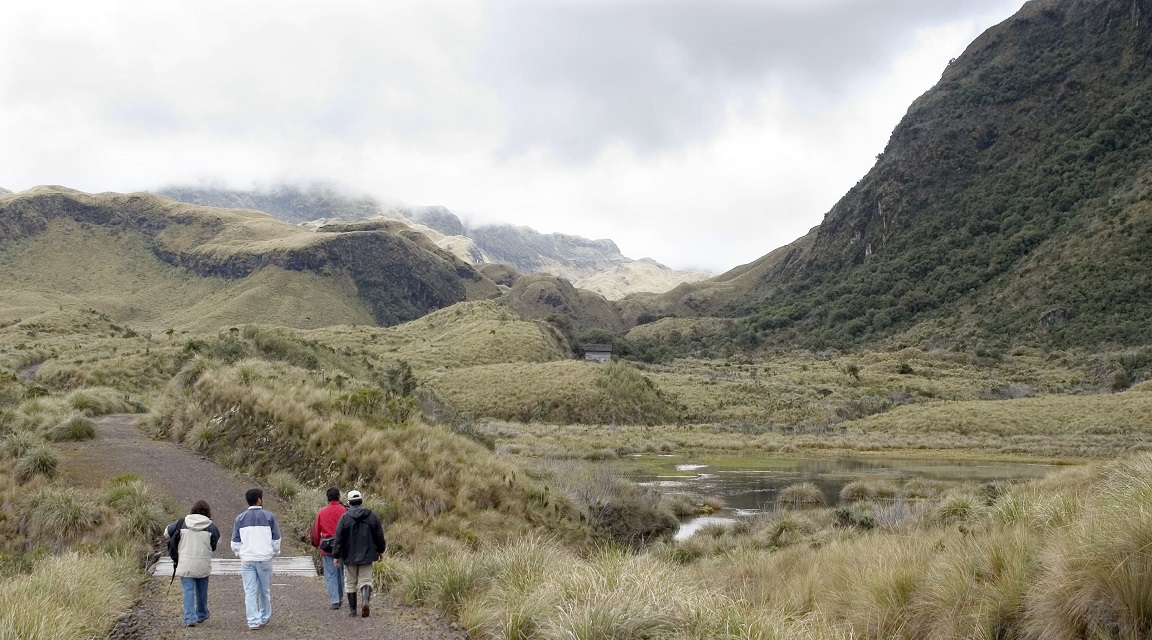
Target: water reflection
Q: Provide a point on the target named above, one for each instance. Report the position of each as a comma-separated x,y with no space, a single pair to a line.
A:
750,485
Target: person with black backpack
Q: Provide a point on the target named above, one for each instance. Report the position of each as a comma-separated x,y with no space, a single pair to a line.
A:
191,541
359,543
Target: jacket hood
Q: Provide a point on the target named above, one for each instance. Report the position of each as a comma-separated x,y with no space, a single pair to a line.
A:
358,513
196,522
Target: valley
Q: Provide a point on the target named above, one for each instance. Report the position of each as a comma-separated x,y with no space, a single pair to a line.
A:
981,299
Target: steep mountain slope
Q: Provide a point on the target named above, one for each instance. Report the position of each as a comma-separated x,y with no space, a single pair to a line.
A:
1013,203
55,242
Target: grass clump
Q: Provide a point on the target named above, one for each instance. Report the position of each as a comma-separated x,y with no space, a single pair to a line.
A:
69,597
59,515
284,484
39,460
802,495
77,427
17,443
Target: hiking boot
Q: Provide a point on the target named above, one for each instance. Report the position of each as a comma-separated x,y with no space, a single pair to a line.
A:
365,595
352,604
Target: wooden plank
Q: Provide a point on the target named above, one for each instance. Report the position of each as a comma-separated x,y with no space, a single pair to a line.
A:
281,566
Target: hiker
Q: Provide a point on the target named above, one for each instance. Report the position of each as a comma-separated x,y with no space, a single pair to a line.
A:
323,534
255,539
359,543
194,538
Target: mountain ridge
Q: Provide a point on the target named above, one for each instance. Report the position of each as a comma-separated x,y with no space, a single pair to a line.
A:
1019,185
572,257
398,274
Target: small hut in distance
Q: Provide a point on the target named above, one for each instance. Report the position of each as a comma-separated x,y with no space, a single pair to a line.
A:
597,352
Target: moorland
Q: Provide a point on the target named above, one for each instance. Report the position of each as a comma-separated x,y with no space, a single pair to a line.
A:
982,294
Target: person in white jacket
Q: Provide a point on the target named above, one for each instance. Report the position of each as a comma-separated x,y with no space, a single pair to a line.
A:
196,536
255,540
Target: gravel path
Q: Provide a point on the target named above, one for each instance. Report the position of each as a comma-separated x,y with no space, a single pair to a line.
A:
299,604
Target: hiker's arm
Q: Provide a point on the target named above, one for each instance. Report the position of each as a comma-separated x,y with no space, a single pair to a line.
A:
236,537
215,537
275,537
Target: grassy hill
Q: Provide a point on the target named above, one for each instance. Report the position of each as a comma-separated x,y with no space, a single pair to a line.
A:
153,261
1012,204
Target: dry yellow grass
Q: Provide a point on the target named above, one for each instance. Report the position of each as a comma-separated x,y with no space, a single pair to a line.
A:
70,266
1118,414
466,334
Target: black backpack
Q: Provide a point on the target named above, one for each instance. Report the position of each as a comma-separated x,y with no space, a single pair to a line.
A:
174,543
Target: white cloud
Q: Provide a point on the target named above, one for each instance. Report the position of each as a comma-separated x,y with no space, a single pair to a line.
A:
702,134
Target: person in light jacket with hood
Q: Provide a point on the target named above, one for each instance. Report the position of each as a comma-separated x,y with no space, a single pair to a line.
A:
197,537
359,543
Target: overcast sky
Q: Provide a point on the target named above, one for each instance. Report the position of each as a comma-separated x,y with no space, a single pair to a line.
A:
700,133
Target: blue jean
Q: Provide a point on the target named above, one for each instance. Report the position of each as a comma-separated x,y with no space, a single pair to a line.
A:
333,579
257,577
195,599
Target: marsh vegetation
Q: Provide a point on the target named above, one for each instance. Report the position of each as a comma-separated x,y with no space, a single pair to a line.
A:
490,452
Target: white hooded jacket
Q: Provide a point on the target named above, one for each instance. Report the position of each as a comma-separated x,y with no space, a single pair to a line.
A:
198,540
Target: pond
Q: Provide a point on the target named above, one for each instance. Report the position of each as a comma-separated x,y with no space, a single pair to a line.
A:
749,485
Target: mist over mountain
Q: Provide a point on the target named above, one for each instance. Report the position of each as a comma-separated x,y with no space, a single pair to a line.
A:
527,250
1012,204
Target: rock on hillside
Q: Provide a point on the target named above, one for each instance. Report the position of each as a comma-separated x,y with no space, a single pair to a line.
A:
398,274
1020,184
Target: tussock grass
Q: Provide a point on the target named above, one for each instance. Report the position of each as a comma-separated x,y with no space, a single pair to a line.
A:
75,428
564,392
450,485
39,460
17,443
1002,570
800,496
284,484
68,597
58,515
466,334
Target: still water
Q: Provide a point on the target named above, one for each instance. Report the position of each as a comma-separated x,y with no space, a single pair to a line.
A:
749,485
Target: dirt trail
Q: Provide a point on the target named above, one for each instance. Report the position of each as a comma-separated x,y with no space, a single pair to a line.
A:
299,604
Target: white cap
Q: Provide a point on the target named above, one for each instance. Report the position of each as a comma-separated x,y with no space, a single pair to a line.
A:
354,495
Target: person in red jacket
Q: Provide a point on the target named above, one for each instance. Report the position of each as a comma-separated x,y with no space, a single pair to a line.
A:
323,535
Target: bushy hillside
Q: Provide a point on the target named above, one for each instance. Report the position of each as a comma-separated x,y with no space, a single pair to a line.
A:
153,260
1013,204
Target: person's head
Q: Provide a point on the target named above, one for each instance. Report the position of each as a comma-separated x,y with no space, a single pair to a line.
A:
333,493
354,497
201,508
254,497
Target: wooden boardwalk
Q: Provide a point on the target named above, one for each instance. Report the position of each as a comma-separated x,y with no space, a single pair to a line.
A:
281,566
